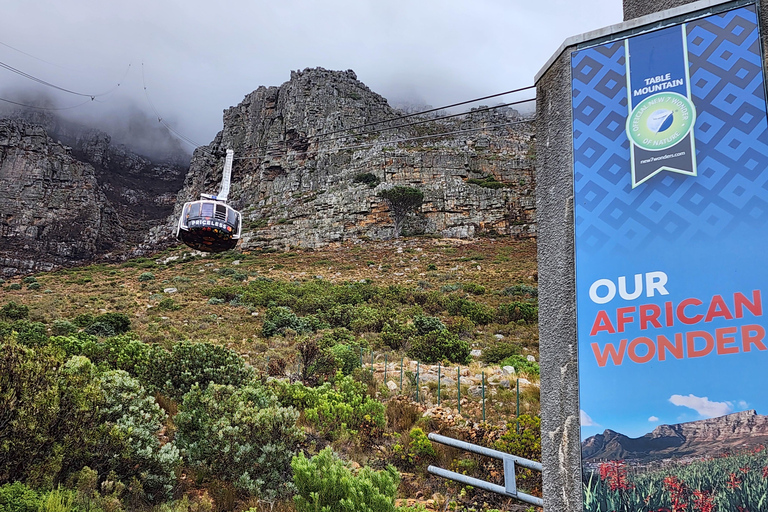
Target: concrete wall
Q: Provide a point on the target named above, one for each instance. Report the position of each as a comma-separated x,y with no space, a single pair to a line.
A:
636,8
560,428
560,439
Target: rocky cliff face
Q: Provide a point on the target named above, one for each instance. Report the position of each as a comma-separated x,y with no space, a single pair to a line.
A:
697,438
301,149
61,205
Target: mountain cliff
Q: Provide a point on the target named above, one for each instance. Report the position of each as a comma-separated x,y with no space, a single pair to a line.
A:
701,438
68,195
312,154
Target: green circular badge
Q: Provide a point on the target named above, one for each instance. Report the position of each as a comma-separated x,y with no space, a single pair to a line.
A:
661,121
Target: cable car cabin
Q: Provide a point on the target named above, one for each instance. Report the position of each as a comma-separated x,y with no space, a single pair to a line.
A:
209,226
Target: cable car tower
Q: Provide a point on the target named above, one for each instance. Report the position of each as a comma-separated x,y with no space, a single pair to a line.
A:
209,224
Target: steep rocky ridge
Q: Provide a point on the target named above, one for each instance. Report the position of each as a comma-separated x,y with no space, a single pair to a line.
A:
68,195
299,147
701,438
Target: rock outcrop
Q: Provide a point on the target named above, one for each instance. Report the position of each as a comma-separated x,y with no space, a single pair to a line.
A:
62,205
707,437
304,148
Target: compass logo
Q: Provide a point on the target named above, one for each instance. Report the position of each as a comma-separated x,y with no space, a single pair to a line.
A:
661,121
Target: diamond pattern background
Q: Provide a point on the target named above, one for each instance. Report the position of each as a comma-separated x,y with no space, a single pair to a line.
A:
731,132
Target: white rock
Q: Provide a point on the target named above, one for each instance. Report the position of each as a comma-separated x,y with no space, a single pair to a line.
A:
476,353
236,262
531,359
508,370
170,290
498,336
392,385
524,382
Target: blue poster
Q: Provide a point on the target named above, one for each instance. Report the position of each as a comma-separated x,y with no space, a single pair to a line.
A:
671,228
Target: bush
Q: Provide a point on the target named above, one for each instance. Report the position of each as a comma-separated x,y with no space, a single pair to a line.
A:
14,286
135,452
146,276
191,363
241,435
396,335
437,346
63,328
480,314
367,178
29,280
100,329
521,290
418,451
474,289
280,318
83,320
427,324
518,311
17,497
13,311
214,301
526,444
496,353
119,322
33,286
30,333
168,304
325,483
521,364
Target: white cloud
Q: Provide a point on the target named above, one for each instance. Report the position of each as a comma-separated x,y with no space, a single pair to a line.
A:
586,421
702,405
743,404
653,419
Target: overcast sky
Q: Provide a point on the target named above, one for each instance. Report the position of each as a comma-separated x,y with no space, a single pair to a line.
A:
201,57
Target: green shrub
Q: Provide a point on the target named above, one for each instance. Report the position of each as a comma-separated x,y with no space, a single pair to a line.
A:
280,318
30,333
17,497
29,280
324,483
347,357
437,346
215,301
119,322
135,452
418,450
76,344
100,329
480,314
521,364
518,311
497,352
241,435
191,363
14,286
521,290
146,276
524,443
83,320
431,266
63,328
335,409
474,289
13,311
367,178
396,335
168,304
33,286
427,324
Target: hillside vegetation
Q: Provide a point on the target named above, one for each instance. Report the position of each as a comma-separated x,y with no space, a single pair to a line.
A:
302,380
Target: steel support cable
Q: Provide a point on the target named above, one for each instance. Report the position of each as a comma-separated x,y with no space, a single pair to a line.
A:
45,108
410,139
54,86
436,109
277,145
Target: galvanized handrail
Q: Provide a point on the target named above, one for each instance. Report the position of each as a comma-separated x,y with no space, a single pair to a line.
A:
510,485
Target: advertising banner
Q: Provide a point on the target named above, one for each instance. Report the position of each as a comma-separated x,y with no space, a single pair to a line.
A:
671,227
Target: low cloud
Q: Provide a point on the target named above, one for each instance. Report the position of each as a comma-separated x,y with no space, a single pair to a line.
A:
653,419
703,405
586,421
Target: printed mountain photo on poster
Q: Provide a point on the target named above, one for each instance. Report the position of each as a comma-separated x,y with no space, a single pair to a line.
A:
670,139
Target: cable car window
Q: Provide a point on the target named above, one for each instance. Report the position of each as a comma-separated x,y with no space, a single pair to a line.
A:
193,210
207,209
221,212
232,217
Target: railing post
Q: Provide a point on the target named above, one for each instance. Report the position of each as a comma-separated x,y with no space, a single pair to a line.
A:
510,485
458,386
483,389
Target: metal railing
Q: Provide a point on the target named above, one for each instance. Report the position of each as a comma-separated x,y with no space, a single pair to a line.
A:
510,485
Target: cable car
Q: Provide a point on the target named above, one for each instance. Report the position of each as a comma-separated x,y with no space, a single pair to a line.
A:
210,224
